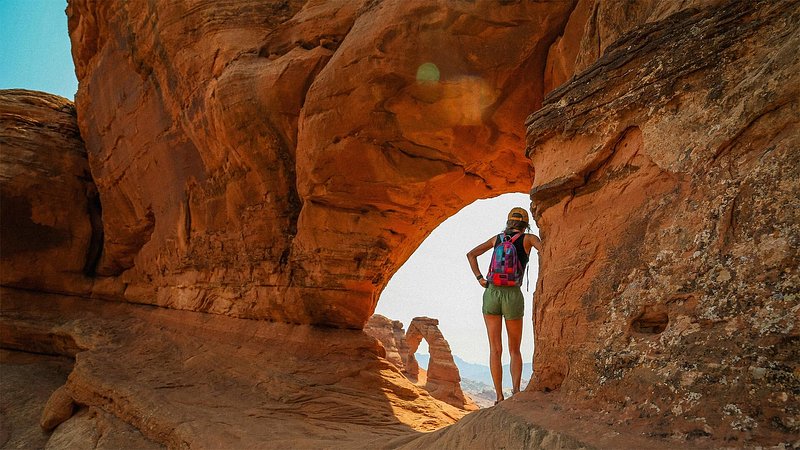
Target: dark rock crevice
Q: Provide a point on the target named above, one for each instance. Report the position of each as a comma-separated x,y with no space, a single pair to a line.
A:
95,212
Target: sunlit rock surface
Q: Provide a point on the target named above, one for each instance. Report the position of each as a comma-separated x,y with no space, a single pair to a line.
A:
667,196
388,332
281,160
192,380
441,378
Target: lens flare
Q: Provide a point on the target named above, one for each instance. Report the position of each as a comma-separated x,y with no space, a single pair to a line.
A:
427,72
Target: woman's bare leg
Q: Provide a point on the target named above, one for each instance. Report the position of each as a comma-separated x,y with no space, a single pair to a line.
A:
494,328
514,329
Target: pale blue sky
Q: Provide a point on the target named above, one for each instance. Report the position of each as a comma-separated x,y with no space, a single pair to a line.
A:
35,54
35,47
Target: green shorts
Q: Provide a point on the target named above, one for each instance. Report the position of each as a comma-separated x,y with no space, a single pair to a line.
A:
504,300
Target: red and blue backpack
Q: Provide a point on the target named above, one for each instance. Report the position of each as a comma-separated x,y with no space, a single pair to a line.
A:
506,268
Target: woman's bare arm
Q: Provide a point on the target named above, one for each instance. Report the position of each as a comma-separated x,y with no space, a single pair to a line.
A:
472,257
532,241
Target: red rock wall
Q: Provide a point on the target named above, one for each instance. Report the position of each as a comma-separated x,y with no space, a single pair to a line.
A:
47,239
281,160
594,25
666,195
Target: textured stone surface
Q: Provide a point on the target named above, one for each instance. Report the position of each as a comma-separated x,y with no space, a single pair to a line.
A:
606,21
388,332
535,420
594,25
237,146
47,196
59,407
93,429
442,379
26,382
666,194
187,379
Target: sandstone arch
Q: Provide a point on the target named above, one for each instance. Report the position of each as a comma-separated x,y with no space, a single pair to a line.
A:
287,177
229,187
443,379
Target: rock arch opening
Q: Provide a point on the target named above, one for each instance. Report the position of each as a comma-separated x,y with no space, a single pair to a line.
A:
436,282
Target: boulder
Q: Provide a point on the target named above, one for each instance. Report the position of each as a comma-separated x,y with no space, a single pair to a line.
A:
59,408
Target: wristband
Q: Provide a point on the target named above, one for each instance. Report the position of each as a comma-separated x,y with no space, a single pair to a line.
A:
479,277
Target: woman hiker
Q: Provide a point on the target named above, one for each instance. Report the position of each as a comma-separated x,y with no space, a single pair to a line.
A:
503,294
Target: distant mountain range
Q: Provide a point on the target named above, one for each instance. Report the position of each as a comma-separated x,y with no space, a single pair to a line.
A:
479,372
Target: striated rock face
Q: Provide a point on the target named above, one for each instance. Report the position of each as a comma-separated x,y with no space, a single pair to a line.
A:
391,335
50,233
594,25
442,378
281,160
666,194
606,21
187,379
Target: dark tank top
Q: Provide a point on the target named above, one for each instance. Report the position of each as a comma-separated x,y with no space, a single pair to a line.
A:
519,244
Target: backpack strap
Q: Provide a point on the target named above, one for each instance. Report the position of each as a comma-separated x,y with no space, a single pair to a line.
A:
528,277
497,241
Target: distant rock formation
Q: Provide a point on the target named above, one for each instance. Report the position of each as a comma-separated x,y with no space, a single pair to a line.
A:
391,335
442,378
400,341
